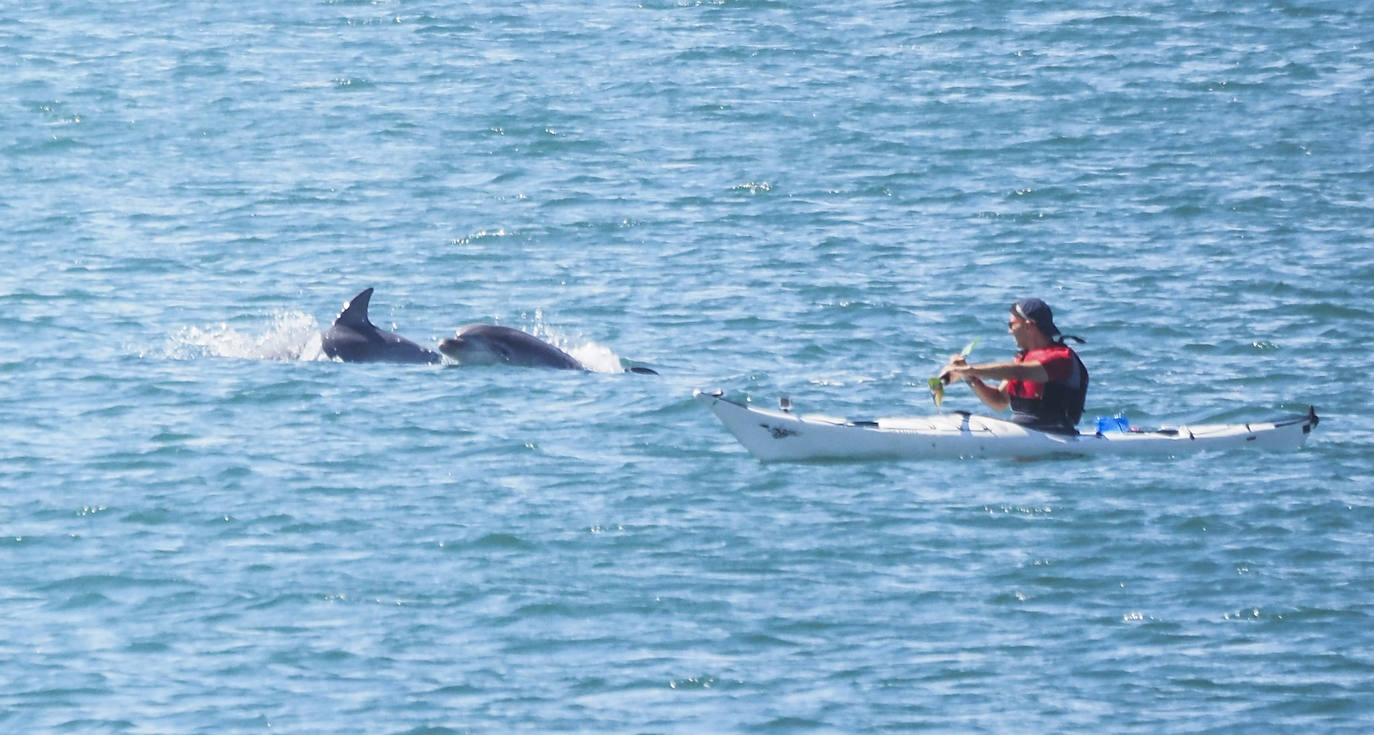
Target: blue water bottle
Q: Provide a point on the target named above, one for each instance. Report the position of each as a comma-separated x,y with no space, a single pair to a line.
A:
1113,423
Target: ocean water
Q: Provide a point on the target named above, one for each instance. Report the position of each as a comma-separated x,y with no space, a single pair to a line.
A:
201,531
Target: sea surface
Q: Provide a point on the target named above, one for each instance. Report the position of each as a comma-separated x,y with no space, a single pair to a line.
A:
203,530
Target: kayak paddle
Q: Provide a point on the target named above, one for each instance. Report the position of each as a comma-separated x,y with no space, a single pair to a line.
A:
937,385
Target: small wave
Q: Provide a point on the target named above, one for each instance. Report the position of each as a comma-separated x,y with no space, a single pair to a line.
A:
291,335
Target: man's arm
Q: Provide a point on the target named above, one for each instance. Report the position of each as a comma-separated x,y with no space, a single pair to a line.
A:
1032,371
996,397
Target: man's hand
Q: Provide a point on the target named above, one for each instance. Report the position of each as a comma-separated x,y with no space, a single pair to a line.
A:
953,371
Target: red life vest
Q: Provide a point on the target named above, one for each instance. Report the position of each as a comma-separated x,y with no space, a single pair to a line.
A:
1057,404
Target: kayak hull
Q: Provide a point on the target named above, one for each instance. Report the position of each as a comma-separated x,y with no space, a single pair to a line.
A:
782,436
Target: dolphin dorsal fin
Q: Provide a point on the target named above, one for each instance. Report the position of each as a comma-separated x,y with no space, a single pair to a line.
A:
355,312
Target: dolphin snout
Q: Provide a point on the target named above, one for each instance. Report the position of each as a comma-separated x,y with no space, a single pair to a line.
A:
450,344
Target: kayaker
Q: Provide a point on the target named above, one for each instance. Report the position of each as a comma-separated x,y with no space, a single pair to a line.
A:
1044,386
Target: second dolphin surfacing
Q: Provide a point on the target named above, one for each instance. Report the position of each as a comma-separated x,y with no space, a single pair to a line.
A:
490,344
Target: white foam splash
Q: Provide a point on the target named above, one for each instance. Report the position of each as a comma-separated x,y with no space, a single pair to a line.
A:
595,357
289,336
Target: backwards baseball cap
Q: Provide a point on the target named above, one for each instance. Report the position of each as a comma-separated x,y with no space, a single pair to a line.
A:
1039,312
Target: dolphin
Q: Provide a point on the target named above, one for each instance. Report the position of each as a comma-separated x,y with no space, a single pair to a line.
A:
353,338
489,344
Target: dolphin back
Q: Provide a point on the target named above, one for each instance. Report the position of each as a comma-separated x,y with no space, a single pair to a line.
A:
354,338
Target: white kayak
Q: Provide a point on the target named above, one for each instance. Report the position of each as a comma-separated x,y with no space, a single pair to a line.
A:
780,435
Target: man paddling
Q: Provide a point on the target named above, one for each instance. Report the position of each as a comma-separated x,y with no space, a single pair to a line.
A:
1044,386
